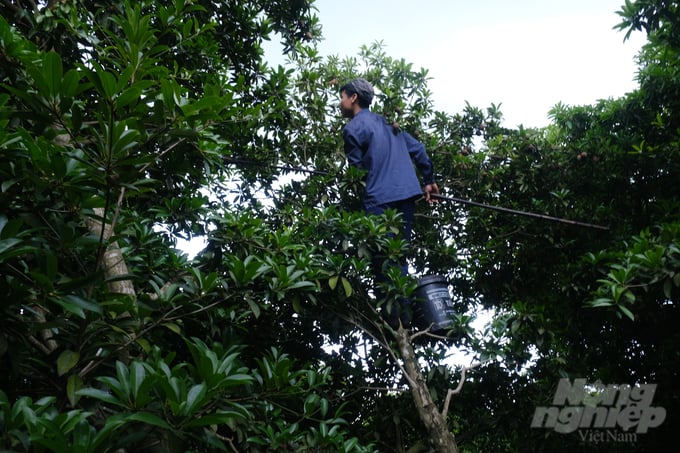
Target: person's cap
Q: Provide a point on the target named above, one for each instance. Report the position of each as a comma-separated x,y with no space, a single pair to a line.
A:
363,89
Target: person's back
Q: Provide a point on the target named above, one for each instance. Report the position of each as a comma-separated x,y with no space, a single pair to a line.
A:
375,146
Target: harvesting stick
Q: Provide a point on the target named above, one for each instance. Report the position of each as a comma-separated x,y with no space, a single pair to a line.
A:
524,213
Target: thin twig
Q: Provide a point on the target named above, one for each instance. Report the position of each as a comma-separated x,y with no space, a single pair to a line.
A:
385,389
116,213
35,342
167,150
228,440
202,309
428,332
458,388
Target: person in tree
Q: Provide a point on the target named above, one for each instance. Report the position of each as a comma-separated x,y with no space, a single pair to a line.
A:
388,155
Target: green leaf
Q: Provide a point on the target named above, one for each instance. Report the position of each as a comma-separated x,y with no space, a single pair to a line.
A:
627,312
237,379
602,302
149,419
126,140
668,288
226,363
254,307
7,184
333,281
73,384
170,90
176,388
22,408
347,286
53,73
324,407
76,305
311,403
123,375
351,444
137,376
111,425
7,244
128,96
195,398
101,395
302,284
66,361
173,327
114,385
70,84
108,83
296,305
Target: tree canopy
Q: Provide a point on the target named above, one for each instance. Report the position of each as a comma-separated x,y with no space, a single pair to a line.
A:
125,126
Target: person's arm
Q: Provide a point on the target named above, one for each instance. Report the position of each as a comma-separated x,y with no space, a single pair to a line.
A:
353,148
424,165
418,154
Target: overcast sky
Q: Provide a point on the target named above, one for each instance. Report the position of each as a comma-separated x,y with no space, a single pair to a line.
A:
524,54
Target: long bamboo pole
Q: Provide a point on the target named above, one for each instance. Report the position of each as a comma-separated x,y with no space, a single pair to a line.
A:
517,212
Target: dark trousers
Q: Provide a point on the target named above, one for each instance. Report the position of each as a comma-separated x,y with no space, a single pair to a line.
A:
401,308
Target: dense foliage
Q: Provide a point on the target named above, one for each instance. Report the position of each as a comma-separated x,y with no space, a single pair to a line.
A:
127,125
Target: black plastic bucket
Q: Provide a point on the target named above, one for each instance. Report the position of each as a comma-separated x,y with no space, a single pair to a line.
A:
434,306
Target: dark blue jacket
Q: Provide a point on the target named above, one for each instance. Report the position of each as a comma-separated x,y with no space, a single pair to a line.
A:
388,157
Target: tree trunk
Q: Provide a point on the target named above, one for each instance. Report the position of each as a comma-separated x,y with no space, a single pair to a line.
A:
112,260
113,263
435,422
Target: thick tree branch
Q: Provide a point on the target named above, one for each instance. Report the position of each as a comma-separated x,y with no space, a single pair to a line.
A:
441,437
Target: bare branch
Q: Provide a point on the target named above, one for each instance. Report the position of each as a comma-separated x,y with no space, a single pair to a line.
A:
116,213
195,312
167,150
381,341
429,333
385,389
35,342
459,387
228,440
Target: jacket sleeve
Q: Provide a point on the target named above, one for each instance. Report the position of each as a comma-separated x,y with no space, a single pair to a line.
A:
418,154
353,147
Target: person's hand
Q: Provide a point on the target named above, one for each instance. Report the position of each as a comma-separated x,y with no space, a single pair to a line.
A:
431,189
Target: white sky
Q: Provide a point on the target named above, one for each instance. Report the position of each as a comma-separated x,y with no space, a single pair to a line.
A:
527,55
